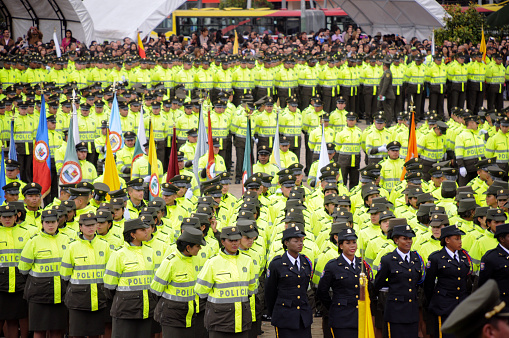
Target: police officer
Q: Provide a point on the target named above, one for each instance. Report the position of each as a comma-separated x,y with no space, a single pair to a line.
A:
436,76
457,74
447,276
288,278
476,77
83,266
494,263
128,275
40,260
401,271
342,276
15,308
174,281
481,315
227,280
469,149
386,95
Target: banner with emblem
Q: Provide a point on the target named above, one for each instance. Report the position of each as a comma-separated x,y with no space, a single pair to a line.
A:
71,170
116,139
42,158
153,184
111,178
141,139
412,143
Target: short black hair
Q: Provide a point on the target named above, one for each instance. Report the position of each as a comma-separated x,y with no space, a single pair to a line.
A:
182,245
340,251
127,236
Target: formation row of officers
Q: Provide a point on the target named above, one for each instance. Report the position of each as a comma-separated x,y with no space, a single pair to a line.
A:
212,265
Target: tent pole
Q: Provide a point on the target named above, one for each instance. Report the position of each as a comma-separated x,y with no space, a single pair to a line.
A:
303,24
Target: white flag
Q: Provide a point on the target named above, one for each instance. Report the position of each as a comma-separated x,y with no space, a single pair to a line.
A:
201,144
142,137
323,160
57,45
274,157
75,126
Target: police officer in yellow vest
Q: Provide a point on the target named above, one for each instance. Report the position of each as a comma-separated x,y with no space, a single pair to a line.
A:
436,76
495,78
457,74
476,78
24,127
128,276
414,79
228,280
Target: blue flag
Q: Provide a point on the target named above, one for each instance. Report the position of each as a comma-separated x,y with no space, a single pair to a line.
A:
116,139
2,179
13,155
247,166
42,156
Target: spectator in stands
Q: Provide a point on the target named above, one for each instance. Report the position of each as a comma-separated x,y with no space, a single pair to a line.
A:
68,40
34,36
6,40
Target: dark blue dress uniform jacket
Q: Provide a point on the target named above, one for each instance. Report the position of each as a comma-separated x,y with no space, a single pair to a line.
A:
344,281
445,285
286,292
495,265
402,279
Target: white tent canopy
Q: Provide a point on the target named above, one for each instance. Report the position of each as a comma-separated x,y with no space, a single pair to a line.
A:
115,20
408,18
48,16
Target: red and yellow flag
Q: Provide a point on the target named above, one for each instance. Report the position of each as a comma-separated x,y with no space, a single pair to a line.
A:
412,145
366,329
141,49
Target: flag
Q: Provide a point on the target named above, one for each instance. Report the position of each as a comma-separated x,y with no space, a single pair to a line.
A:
141,49
153,184
111,178
201,144
482,49
75,125
412,145
57,45
71,170
140,141
433,42
42,158
115,131
275,156
13,155
323,159
366,329
2,179
173,164
236,44
211,163
247,166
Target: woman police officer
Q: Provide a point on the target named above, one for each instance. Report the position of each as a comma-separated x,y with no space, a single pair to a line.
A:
83,266
342,275
287,281
128,275
447,272
13,237
401,270
44,291
174,280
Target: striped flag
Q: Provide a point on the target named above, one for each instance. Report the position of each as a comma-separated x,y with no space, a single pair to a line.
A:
141,49
153,170
71,170
201,144
412,145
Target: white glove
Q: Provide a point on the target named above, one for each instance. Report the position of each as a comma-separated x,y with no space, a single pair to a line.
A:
146,179
256,140
463,171
382,149
483,131
279,191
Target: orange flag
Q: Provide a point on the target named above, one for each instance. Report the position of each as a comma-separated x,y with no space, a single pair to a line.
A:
412,145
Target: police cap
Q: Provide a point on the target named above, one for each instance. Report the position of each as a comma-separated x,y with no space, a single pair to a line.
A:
12,188
104,216
11,165
87,219
231,233
49,215
134,224
7,210
192,235
451,230
32,189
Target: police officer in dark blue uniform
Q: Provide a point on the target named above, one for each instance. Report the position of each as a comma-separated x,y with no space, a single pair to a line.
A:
286,287
342,275
495,263
447,276
401,271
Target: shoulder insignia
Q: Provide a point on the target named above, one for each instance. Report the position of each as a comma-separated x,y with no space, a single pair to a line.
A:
482,266
170,257
387,75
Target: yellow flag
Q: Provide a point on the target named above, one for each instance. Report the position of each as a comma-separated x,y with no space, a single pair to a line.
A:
236,44
366,329
482,49
110,169
154,186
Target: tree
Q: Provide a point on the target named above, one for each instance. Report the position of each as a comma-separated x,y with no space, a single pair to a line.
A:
461,26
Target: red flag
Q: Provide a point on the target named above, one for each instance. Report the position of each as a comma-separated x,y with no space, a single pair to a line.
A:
141,49
412,145
212,161
41,162
173,164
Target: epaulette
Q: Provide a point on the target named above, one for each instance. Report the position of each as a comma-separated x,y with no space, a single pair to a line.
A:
102,239
34,235
384,245
117,236
170,256
326,249
277,257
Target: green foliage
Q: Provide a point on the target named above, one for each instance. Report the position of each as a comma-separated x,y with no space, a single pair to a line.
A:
243,4
461,26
